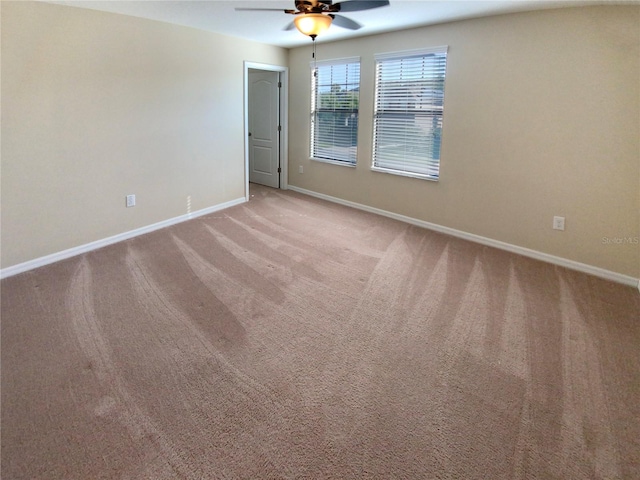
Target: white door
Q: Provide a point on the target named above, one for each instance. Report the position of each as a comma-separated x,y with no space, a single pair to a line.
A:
264,118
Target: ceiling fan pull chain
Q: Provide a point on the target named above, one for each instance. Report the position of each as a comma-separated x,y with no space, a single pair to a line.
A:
315,67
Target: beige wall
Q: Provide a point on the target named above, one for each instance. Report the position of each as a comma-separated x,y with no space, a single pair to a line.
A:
542,118
96,106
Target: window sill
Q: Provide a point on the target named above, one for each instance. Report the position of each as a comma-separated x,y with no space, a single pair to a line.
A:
400,173
333,162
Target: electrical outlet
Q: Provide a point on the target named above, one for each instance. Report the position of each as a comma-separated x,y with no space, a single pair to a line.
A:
300,169
131,201
558,223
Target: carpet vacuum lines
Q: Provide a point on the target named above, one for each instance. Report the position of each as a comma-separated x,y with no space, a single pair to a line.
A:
120,403
289,337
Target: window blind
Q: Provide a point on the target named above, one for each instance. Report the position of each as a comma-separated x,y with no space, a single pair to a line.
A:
408,112
334,111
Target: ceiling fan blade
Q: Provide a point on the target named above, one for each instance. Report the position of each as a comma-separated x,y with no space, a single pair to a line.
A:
240,9
345,22
358,5
289,26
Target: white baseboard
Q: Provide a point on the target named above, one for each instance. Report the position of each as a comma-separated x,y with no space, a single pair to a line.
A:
72,252
545,257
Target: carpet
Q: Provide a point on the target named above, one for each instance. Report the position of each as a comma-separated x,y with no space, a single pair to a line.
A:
289,337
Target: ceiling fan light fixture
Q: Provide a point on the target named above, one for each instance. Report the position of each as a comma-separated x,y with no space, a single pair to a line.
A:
312,24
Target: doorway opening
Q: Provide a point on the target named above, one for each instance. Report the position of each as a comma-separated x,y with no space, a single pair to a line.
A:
265,122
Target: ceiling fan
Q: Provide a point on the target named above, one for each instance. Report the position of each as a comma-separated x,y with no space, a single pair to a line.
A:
315,16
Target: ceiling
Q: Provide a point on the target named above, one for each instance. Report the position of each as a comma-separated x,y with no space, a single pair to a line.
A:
267,27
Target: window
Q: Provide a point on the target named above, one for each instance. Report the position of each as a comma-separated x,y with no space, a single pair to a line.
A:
409,103
335,96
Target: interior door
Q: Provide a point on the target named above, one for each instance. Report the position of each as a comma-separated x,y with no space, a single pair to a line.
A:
264,119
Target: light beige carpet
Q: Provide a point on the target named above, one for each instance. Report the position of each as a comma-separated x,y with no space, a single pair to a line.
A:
293,338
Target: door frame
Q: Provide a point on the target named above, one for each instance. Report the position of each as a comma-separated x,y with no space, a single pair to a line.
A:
284,121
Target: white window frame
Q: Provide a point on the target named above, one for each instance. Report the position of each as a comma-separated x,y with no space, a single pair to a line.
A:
430,170
347,162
